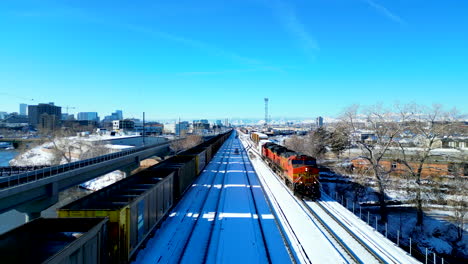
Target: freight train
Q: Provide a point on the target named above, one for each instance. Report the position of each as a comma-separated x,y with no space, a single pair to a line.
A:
133,207
299,172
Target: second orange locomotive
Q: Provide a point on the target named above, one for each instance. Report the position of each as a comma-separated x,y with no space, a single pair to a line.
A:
299,172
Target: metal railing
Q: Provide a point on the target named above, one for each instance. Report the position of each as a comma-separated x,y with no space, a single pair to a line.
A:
22,178
13,170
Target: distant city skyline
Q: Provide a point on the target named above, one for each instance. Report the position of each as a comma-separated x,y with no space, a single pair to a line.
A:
217,59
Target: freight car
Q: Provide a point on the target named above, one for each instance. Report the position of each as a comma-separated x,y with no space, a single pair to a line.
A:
58,241
135,205
256,137
299,172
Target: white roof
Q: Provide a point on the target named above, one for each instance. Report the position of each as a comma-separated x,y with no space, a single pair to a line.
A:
261,135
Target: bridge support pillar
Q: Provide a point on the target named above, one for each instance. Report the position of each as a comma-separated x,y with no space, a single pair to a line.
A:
32,215
128,170
34,208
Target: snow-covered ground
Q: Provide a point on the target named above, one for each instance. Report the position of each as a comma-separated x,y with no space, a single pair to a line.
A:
39,155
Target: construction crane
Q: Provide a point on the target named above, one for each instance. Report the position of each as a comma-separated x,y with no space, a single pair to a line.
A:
69,107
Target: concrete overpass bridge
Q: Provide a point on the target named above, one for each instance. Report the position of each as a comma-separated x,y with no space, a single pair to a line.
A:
34,191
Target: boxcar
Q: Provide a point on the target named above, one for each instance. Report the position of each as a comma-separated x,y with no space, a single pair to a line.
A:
256,137
58,241
134,206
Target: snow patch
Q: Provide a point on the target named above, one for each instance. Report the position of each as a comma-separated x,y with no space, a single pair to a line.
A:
103,181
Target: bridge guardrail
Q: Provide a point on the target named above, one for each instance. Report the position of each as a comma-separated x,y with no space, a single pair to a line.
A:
22,178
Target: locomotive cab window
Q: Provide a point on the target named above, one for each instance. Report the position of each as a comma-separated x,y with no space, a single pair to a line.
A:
309,162
296,162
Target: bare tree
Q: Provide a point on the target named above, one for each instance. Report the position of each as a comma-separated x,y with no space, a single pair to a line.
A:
338,139
295,143
66,148
186,143
93,149
192,141
460,207
316,143
384,130
428,126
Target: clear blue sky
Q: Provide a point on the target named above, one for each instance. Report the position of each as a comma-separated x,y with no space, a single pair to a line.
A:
219,59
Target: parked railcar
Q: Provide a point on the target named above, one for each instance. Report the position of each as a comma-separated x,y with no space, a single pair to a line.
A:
257,136
299,172
184,169
199,154
134,205
58,241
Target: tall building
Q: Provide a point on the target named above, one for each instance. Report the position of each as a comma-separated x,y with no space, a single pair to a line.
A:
118,114
36,111
182,128
319,121
22,109
90,116
47,122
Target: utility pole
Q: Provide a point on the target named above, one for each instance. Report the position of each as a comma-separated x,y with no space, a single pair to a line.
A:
144,128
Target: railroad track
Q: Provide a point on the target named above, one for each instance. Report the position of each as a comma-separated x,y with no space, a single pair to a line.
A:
349,251
185,256
256,207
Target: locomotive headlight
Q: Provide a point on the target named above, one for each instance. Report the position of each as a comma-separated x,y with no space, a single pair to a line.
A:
307,169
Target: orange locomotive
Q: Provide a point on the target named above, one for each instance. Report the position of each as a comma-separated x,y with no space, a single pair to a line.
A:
299,172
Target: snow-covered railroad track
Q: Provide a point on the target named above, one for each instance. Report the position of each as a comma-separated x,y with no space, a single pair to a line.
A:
356,249
196,250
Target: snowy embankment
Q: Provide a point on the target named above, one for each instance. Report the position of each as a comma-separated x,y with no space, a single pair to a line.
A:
74,148
40,155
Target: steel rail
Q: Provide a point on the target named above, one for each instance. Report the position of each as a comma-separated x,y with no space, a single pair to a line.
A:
267,251
357,238
348,250
266,189
200,210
